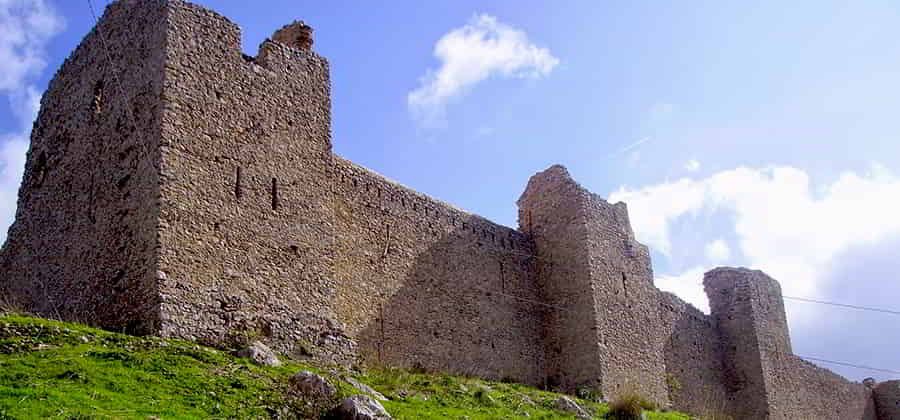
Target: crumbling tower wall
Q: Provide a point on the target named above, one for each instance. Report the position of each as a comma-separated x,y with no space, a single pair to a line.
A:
602,326
764,378
246,218
753,329
887,399
84,243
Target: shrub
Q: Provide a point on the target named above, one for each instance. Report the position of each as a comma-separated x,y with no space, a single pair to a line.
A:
629,406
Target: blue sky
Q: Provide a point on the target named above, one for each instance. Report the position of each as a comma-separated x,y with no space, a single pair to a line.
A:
761,134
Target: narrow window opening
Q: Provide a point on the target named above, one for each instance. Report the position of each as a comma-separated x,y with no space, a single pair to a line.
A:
624,286
237,183
274,194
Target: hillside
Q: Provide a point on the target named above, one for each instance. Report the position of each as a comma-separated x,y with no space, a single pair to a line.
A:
51,369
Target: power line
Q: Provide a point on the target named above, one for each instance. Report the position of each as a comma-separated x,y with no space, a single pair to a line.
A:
843,305
849,365
114,69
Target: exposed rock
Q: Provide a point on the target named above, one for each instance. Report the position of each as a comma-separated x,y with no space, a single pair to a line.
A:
312,387
366,389
360,407
566,404
260,354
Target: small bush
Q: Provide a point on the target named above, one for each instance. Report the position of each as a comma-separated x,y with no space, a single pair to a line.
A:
629,406
7,306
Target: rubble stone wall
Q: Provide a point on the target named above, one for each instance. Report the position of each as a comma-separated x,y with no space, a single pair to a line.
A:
423,284
802,390
763,377
247,225
551,213
693,356
604,331
176,186
83,245
887,400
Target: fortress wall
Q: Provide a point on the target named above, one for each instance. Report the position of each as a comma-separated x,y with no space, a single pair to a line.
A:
550,212
83,244
603,327
763,376
752,327
802,390
625,302
693,358
423,284
887,399
246,227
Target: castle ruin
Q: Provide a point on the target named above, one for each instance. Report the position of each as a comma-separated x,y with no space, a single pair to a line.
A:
175,186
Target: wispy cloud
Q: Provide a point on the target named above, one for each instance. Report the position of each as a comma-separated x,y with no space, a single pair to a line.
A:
483,48
782,224
25,28
631,146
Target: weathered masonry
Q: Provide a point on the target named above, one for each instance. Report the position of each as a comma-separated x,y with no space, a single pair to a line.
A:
178,187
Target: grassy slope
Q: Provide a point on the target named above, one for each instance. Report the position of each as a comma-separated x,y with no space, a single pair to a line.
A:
54,369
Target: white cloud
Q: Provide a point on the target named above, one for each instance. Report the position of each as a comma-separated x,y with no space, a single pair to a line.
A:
692,165
688,285
717,251
25,28
783,225
482,48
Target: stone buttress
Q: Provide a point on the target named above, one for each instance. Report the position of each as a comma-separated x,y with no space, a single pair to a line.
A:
602,329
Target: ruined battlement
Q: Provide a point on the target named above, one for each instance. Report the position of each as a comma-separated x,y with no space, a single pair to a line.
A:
175,186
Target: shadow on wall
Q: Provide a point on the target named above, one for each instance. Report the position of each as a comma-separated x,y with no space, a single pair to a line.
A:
693,357
442,299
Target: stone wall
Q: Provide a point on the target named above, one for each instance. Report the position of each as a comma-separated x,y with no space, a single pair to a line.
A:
603,331
887,400
751,330
83,245
802,390
550,213
764,378
423,284
247,224
693,356
177,186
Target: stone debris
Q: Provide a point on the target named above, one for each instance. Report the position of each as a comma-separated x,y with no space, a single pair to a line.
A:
568,405
260,354
366,389
312,387
360,407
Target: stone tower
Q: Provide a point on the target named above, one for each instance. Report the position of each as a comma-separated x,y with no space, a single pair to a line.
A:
602,328
84,243
748,311
177,186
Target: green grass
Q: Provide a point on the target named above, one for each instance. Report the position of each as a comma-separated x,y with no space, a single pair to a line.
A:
52,369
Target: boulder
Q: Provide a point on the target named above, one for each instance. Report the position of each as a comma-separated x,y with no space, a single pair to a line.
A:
260,354
568,405
311,387
366,389
360,407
